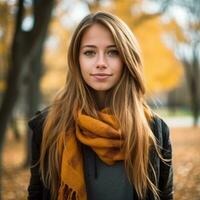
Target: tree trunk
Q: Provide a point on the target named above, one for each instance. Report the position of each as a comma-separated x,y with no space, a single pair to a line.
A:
15,129
24,47
192,75
171,101
33,97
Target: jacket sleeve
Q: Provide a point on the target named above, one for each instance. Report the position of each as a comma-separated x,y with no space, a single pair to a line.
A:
166,169
36,187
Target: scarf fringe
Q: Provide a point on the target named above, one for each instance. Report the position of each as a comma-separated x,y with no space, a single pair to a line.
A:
67,193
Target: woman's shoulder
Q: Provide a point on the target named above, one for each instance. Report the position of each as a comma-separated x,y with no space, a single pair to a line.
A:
160,128
36,124
38,119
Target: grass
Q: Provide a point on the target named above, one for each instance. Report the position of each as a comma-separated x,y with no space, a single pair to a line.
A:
179,112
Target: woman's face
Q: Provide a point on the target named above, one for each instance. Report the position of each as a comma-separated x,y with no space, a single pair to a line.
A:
100,63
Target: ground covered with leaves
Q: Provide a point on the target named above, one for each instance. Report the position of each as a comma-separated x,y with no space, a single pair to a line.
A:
186,160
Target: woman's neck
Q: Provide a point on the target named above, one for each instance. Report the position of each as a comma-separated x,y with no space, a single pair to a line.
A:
100,99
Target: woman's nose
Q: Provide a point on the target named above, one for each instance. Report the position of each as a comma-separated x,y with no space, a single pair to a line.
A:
101,62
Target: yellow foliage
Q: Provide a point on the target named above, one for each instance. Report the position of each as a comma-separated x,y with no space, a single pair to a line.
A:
53,80
173,27
2,86
55,59
162,70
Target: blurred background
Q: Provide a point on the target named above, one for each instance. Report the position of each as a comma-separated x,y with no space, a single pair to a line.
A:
34,36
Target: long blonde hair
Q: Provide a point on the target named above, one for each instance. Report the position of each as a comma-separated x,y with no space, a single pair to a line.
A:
127,104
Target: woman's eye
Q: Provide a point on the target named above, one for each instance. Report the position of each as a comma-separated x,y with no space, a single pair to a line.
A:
89,53
113,52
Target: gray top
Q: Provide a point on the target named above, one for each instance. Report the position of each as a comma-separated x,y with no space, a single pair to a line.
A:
104,182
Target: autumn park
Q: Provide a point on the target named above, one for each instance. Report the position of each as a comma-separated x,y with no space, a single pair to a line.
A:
34,39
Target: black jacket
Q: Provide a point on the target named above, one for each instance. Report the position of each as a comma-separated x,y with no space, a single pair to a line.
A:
37,191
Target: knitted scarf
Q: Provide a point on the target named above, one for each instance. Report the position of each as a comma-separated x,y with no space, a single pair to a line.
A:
103,136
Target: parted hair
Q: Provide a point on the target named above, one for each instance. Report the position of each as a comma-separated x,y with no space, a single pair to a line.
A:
126,102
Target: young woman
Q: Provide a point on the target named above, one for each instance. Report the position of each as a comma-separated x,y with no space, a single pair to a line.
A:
99,140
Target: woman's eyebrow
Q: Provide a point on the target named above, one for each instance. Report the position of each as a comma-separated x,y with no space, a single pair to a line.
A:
88,46
93,46
111,46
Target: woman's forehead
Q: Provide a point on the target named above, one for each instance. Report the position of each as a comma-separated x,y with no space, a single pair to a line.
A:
97,34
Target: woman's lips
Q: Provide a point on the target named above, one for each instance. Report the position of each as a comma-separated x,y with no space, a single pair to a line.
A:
101,76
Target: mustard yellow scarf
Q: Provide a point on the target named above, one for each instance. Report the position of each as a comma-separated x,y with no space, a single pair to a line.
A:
103,136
